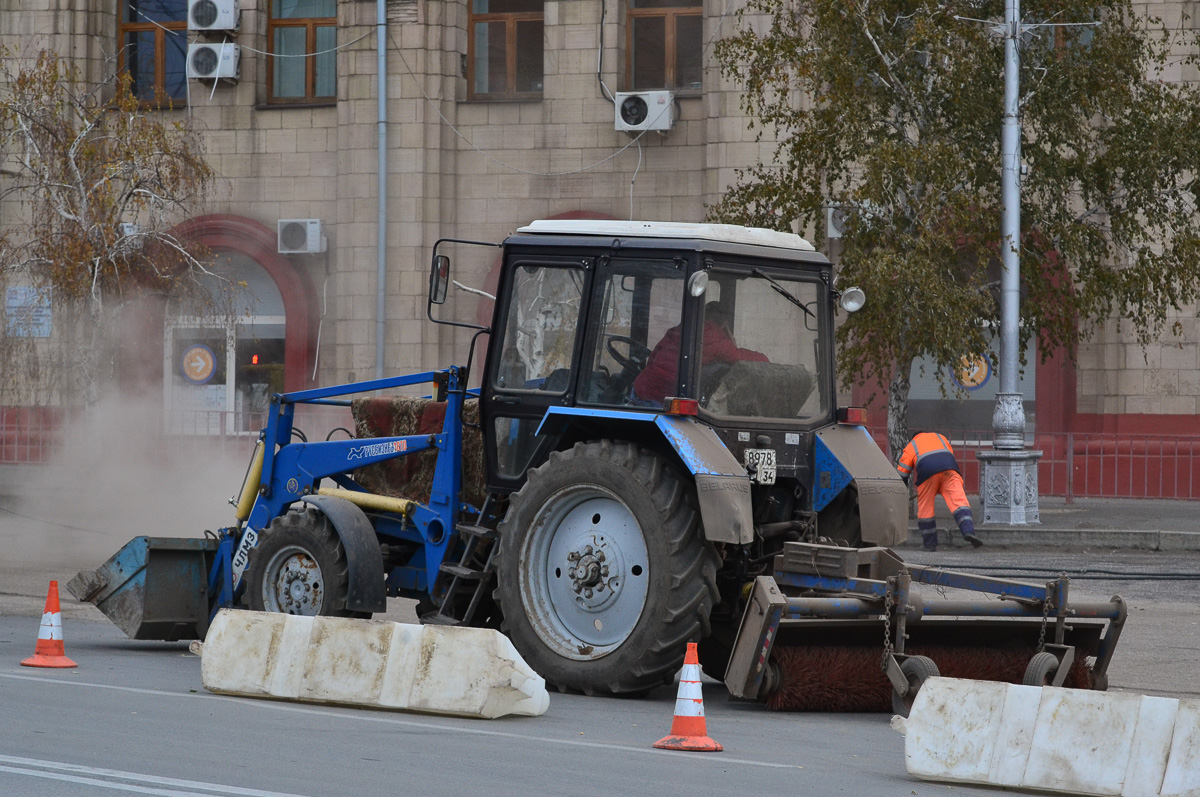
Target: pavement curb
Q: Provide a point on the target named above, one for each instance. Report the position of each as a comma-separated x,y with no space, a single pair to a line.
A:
1037,537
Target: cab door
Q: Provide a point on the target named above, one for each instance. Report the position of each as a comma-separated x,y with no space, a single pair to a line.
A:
532,361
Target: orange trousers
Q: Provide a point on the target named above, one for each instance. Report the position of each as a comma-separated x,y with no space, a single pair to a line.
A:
949,485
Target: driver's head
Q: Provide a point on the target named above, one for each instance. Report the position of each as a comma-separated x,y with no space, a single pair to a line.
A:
718,314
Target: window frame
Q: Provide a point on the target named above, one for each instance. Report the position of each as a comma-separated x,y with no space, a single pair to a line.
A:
669,15
511,19
161,98
310,24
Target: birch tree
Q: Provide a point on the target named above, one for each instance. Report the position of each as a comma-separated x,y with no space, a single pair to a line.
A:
99,183
890,111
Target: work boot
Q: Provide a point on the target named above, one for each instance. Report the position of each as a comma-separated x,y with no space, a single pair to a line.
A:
929,541
967,526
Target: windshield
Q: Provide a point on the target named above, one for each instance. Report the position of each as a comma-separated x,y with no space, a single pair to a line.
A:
760,351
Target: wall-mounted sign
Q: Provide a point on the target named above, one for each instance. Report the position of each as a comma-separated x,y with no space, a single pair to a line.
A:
973,372
27,312
198,364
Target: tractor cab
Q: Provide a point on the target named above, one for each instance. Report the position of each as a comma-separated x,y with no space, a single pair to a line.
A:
618,318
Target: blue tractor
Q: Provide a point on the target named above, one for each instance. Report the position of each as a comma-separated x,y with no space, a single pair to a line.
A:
656,424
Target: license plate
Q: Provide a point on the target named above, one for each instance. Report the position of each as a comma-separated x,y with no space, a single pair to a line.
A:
760,463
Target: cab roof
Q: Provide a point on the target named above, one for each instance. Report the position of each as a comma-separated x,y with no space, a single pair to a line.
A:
725,233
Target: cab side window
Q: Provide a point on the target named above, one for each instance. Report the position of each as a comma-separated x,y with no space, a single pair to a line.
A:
539,333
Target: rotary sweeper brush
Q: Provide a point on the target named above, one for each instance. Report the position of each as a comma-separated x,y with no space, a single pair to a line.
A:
654,443
838,629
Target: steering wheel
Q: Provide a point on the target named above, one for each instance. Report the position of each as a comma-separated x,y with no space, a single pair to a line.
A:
637,356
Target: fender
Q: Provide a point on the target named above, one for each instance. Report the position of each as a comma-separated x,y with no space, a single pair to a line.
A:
722,484
847,455
364,561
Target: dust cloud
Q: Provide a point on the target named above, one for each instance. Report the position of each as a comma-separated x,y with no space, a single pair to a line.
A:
118,476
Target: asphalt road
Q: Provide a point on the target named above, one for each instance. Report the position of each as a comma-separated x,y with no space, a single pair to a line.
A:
134,717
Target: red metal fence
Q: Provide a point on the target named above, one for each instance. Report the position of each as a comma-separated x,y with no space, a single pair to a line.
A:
30,434
1087,465
1072,464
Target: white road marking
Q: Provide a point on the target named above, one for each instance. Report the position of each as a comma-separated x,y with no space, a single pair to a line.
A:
57,770
387,719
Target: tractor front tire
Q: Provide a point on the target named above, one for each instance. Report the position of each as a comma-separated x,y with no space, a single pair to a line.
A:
603,576
299,567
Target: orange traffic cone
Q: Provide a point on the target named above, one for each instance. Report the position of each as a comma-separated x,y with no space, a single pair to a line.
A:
688,731
49,651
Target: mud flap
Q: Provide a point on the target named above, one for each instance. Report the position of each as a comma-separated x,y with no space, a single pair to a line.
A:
847,455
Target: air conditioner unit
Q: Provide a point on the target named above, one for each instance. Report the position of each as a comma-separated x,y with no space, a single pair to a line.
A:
645,110
835,221
213,15
214,61
300,236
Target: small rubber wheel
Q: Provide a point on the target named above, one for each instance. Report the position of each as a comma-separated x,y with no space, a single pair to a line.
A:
917,670
1041,669
299,567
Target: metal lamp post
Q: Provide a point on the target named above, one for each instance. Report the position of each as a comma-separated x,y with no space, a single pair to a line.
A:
1008,483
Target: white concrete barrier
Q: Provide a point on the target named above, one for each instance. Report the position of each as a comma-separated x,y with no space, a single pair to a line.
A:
473,672
1066,740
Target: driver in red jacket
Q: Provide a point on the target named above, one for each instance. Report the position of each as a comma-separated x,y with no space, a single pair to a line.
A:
660,377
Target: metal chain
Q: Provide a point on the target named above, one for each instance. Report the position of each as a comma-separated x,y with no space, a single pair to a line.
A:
1045,618
887,628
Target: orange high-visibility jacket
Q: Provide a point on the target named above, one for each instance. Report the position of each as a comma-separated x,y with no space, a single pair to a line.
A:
929,453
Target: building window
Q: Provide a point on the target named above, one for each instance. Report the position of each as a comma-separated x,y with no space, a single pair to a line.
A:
505,59
302,35
665,45
153,51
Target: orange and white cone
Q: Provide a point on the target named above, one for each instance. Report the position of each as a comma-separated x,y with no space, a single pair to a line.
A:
688,730
50,651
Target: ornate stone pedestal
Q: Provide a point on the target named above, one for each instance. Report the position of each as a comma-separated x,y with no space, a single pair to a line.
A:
1008,486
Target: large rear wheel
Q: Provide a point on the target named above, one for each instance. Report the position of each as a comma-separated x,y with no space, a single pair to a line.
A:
299,567
602,574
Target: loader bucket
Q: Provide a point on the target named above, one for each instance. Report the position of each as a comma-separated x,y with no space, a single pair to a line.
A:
153,588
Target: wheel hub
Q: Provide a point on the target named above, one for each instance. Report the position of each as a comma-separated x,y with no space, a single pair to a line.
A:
297,587
589,575
593,573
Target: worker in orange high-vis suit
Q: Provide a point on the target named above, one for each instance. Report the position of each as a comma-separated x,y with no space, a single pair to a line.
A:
930,455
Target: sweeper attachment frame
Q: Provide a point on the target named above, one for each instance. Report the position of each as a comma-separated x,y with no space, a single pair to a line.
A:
839,628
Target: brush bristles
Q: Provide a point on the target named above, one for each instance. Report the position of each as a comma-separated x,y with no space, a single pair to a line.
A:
850,679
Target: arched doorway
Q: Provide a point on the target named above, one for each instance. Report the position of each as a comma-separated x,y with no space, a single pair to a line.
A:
222,362
220,368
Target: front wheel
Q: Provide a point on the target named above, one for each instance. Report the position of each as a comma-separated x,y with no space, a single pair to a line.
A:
299,567
602,574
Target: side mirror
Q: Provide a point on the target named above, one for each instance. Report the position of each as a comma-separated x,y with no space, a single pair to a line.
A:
439,279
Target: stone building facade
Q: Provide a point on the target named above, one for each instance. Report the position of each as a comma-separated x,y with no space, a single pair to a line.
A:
482,137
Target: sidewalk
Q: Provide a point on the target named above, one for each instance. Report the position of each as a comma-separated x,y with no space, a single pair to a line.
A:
1132,523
